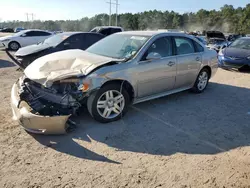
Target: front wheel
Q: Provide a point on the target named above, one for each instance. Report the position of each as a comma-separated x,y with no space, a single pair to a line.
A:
14,46
109,103
201,81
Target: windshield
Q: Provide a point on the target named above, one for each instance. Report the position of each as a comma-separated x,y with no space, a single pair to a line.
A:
56,39
241,44
119,46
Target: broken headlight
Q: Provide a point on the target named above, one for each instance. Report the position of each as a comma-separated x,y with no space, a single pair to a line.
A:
83,85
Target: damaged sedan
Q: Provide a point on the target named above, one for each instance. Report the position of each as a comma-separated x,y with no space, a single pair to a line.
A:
122,69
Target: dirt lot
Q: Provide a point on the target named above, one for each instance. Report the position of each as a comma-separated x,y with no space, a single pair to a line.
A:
184,140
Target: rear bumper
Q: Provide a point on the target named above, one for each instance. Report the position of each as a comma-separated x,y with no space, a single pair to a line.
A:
36,123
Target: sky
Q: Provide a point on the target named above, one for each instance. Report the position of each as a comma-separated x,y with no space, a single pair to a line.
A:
77,9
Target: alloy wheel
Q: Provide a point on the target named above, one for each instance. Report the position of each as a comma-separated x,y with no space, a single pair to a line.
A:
110,104
14,46
202,80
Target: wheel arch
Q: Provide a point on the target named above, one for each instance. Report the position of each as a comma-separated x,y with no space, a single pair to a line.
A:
125,85
209,70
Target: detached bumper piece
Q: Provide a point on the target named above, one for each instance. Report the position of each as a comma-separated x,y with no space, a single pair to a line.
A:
34,123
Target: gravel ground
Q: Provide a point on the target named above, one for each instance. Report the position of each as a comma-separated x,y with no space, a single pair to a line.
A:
183,140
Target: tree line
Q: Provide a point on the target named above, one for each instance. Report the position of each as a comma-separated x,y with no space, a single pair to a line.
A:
228,19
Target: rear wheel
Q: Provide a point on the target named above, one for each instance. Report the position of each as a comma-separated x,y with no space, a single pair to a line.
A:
201,81
109,103
14,46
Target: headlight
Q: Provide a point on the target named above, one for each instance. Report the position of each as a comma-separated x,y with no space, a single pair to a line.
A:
248,57
83,85
5,40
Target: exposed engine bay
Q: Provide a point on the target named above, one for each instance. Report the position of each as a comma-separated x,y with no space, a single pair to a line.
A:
59,99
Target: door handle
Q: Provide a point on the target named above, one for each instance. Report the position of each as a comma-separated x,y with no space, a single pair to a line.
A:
171,63
197,59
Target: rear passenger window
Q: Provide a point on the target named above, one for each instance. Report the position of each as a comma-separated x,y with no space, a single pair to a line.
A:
198,47
184,46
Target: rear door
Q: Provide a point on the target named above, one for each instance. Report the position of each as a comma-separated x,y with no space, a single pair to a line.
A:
189,59
158,75
40,36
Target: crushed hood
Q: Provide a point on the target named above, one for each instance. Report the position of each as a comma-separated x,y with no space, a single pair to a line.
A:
60,65
31,49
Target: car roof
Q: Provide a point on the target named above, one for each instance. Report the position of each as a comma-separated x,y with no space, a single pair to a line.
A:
77,32
150,33
27,30
117,27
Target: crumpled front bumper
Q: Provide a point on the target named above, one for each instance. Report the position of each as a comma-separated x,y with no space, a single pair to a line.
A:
36,123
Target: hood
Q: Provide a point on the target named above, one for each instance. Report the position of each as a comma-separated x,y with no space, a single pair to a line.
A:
236,52
60,65
31,49
215,34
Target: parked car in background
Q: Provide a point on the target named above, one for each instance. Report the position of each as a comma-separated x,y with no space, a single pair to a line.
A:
24,38
18,29
216,40
107,30
62,41
7,30
121,69
233,37
236,55
202,39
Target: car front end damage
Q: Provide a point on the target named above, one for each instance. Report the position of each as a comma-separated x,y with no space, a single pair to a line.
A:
46,110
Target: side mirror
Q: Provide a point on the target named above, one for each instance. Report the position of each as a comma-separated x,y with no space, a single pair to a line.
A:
24,35
153,56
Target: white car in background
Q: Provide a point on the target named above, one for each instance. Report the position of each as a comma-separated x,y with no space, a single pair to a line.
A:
24,38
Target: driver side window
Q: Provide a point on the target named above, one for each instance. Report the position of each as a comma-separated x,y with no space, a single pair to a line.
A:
161,46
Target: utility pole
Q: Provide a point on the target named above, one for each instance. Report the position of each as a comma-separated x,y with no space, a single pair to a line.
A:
109,12
27,16
116,18
110,3
32,16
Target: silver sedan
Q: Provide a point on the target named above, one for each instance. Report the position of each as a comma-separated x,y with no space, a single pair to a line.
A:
122,69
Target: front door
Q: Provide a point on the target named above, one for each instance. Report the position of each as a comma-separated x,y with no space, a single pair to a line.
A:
156,71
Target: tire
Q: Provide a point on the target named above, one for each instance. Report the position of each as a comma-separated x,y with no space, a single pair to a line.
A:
109,104
14,46
201,81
